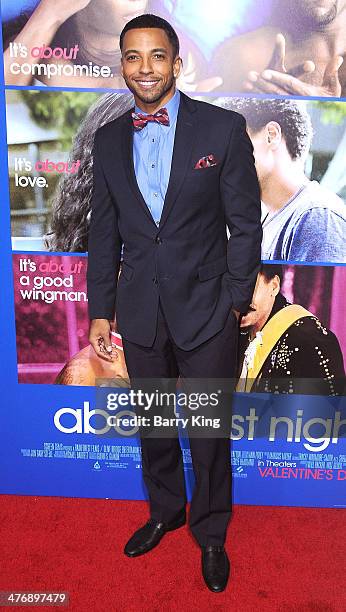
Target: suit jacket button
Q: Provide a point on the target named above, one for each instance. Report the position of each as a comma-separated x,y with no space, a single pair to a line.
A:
155,281
158,240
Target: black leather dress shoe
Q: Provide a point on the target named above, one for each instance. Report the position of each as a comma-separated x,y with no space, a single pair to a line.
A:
148,536
215,567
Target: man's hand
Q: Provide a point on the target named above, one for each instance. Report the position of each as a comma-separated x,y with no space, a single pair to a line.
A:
276,80
276,64
277,83
277,61
99,338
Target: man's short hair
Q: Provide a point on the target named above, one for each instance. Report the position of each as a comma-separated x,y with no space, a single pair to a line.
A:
271,270
152,21
291,115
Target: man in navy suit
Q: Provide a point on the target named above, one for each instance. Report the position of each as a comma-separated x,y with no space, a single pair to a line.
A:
169,177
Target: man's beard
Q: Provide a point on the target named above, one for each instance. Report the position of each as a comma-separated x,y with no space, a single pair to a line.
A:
313,20
151,98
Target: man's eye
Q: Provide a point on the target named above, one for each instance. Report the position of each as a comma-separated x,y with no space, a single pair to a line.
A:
159,55
131,57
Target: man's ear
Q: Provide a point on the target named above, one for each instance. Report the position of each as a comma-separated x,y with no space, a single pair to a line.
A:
273,134
177,66
276,285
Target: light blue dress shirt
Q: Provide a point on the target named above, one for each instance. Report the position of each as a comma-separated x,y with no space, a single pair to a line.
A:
152,157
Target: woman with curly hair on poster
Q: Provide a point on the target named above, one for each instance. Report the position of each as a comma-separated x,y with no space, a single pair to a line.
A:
71,203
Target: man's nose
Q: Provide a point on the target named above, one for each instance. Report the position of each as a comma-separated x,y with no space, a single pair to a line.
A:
146,66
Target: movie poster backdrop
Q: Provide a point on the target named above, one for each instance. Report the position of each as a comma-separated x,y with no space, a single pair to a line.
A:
62,80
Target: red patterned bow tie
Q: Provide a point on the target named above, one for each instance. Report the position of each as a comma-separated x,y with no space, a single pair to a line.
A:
140,121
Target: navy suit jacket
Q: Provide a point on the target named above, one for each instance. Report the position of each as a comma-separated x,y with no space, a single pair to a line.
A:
188,261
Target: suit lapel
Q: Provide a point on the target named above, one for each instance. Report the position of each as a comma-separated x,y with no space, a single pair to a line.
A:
127,149
185,132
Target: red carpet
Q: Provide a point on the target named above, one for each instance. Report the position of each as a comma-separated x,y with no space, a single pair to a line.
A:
282,559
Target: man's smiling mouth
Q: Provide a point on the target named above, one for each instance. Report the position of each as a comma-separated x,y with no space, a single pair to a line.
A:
146,84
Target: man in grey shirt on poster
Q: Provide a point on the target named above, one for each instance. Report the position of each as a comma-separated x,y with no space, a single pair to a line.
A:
302,220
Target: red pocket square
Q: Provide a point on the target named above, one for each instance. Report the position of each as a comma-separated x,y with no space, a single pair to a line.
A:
206,162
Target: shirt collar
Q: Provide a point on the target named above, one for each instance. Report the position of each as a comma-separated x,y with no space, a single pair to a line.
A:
172,107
